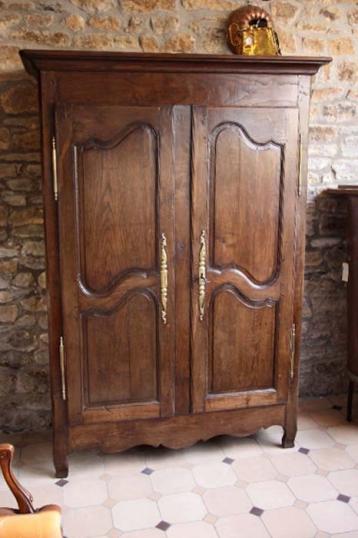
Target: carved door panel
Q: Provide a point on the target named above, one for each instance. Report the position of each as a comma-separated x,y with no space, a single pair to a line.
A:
244,190
116,190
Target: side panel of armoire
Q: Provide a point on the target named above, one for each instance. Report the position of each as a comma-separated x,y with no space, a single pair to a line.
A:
76,84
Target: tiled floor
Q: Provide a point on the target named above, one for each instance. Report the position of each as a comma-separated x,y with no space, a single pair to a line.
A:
226,488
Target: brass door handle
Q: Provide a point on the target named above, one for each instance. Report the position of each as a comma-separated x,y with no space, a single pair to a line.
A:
163,277
202,274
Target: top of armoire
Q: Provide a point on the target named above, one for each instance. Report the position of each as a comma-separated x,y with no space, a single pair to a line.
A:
36,61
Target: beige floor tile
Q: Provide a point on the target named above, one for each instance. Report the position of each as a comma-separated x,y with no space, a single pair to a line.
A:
328,417
255,469
182,508
353,534
312,488
214,475
199,529
236,447
78,494
313,439
124,463
85,464
352,451
331,459
149,533
270,441
209,451
211,519
172,480
127,487
270,494
7,500
50,494
40,474
243,525
135,515
333,516
87,522
354,504
294,464
305,422
345,482
36,453
156,458
227,501
289,522
347,434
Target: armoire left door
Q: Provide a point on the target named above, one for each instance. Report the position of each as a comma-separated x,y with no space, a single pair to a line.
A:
115,210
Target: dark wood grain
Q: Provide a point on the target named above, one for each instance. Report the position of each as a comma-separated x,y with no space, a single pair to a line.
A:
173,144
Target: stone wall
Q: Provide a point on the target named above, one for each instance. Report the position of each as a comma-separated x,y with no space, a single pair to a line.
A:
305,27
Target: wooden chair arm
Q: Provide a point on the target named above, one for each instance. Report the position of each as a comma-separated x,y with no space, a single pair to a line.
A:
22,496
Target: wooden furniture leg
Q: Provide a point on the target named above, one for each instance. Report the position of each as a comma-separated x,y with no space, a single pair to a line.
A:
350,400
22,496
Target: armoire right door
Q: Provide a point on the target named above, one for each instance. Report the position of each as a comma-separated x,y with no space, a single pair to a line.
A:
245,177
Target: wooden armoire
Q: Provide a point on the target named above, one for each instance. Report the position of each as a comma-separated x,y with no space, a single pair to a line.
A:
174,190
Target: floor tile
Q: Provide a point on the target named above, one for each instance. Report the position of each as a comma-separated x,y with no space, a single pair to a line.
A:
244,447
305,422
294,464
82,493
328,417
201,452
227,501
87,522
312,488
270,441
345,482
270,494
314,439
245,525
199,529
135,515
149,533
352,451
86,464
125,463
7,500
214,475
353,503
331,459
36,453
156,458
347,434
172,480
182,508
127,487
49,494
289,522
333,516
254,469
225,488
353,534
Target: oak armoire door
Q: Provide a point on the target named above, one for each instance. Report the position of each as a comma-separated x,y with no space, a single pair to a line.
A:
116,190
244,191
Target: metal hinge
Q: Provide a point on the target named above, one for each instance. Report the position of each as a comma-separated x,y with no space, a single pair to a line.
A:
62,367
54,168
293,350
